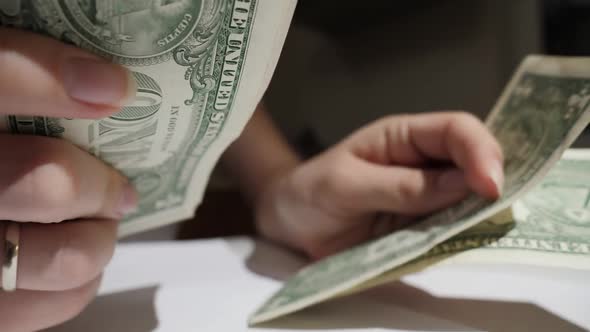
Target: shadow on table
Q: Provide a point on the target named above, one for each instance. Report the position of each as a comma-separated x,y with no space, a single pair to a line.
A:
401,306
129,311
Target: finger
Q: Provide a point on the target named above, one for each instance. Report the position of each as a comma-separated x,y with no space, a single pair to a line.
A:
42,76
63,256
401,190
50,180
457,137
25,311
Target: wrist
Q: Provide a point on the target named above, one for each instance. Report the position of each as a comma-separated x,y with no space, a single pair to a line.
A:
272,205
286,208
272,177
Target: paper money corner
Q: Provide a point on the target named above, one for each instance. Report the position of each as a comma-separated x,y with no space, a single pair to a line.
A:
541,112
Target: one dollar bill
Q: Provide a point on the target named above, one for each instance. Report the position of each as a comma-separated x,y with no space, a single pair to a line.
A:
548,227
201,67
541,112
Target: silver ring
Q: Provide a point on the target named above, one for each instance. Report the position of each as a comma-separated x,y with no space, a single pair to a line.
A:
10,264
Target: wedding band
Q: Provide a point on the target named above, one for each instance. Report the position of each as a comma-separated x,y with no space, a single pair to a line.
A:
10,264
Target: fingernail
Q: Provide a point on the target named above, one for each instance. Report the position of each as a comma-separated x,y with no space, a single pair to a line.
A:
496,174
129,200
453,180
98,82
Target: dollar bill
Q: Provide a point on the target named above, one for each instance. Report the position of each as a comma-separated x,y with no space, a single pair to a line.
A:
548,227
541,112
201,67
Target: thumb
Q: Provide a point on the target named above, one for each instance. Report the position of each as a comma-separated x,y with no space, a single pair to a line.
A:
408,191
42,76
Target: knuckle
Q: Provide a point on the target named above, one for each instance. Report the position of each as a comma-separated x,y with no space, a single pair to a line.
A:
412,189
73,266
466,120
53,184
16,56
406,192
76,266
395,126
391,118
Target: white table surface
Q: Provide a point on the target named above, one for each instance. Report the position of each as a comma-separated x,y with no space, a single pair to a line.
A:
214,285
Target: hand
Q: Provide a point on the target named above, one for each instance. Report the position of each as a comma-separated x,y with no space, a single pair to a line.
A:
400,166
45,181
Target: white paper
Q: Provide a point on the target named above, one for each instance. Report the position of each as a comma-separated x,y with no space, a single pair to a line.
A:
214,285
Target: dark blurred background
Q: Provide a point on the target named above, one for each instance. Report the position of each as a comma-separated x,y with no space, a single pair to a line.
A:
346,63
566,25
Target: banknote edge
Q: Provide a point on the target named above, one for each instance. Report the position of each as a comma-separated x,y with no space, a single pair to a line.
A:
235,128
526,65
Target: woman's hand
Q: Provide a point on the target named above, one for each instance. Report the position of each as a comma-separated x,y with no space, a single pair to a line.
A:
65,201
399,168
